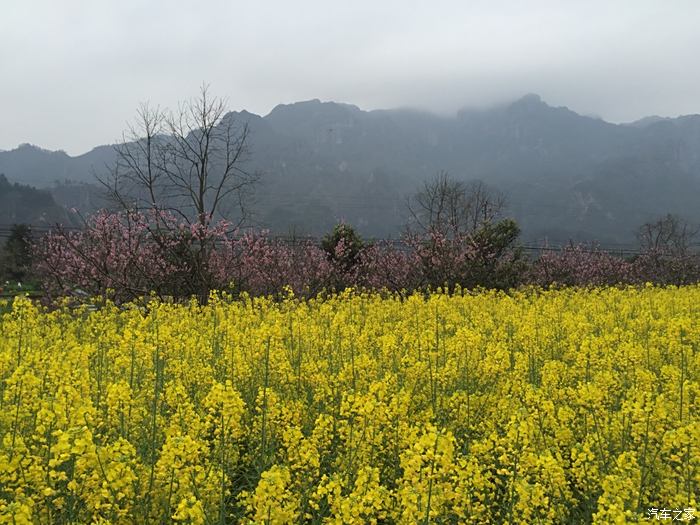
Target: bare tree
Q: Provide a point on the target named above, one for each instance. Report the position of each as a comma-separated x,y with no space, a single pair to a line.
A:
190,162
184,166
451,207
460,236
669,235
136,181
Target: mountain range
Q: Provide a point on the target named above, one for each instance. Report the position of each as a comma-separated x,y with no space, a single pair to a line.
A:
565,176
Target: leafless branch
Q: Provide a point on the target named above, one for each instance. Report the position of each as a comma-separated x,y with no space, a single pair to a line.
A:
453,207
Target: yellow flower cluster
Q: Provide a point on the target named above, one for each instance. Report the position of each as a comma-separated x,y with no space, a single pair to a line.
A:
568,406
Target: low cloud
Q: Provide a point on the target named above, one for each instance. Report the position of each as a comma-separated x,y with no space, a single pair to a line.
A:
74,71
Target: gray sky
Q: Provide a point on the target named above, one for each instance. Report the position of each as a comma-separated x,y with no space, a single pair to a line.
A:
72,72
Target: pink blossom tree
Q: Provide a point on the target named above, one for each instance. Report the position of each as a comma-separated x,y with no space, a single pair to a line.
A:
579,265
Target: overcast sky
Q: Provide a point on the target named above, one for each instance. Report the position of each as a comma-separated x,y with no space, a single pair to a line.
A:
72,72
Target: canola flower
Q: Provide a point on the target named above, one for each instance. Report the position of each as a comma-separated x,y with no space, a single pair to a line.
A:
569,406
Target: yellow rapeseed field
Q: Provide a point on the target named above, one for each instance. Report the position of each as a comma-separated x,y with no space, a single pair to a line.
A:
571,406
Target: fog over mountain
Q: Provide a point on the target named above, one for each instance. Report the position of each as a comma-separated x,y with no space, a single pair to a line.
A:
79,68
566,176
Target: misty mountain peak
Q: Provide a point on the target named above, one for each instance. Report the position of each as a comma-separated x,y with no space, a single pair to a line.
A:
647,121
529,104
313,108
30,150
530,99
311,117
26,146
243,114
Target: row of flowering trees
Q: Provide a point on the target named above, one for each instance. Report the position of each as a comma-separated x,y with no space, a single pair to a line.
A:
131,254
579,265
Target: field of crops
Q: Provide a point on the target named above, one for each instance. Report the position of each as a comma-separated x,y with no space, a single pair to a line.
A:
567,406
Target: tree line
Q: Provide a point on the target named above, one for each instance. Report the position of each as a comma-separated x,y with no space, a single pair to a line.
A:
177,225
